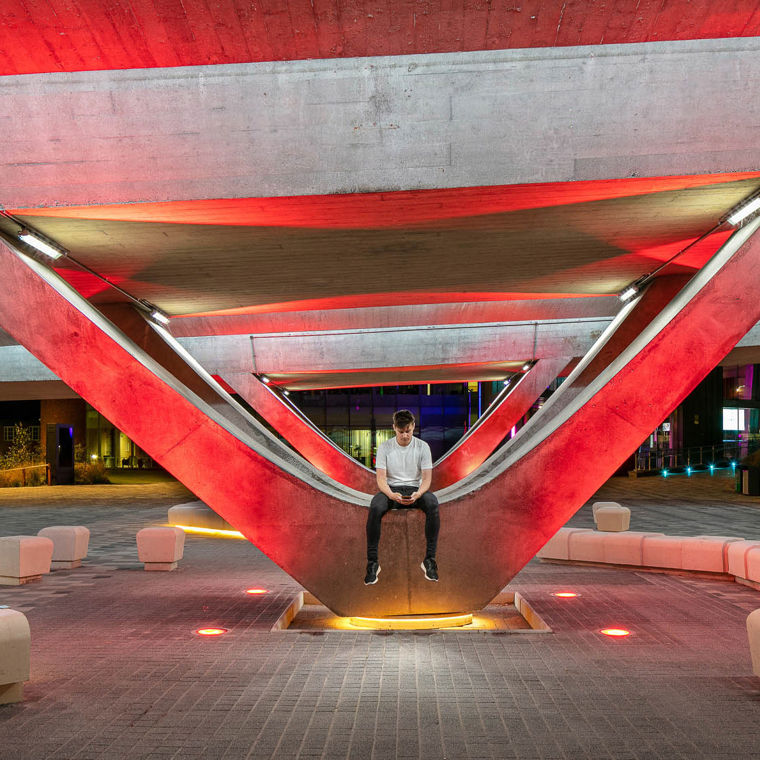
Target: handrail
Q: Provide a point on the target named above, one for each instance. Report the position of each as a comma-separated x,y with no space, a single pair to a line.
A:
30,467
660,459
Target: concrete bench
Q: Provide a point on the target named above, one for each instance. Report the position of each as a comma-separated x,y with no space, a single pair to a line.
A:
753,634
15,647
598,504
160,548
24,559
626,547
196,514
708,554
70,544
557,546
612,518
738,553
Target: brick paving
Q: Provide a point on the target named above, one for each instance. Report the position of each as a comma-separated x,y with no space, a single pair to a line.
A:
118,673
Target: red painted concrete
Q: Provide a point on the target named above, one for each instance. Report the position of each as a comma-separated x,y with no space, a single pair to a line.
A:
92,34
386,210
489,530
483,438
302,435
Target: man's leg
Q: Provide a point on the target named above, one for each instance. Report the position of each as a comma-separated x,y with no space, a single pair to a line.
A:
428,503
379,505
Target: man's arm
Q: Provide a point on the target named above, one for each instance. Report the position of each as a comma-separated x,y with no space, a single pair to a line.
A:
382,484
427,478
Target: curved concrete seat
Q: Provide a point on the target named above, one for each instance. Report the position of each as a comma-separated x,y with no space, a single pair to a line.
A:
626,547
737,557
706,553
557,547
70,544
663,551
160,548
15,647
753,634
24,559
613,518
195,514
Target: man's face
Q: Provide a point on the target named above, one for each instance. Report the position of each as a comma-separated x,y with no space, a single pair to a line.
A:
404,435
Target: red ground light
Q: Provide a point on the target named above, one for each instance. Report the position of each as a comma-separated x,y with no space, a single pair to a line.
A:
211,631
615,632
256,591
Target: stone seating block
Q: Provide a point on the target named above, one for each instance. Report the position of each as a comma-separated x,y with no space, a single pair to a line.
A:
663,551
160,548
196,514
753,565
15,647
586,546
753,633
708,554
624,548
613,518
557,546
70,544
597,504
737,557
24,559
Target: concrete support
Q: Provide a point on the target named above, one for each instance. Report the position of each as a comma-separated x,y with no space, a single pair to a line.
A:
302,434
506,411
493,521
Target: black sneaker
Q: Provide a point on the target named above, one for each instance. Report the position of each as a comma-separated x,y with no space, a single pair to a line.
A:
430,569
373,570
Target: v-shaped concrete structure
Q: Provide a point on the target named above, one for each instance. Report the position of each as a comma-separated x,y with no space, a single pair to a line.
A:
494,520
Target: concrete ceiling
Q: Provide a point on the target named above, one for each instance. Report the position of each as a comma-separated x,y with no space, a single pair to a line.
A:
348,254
95,35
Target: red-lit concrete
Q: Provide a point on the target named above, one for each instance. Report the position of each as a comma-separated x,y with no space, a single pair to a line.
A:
92,34
493,522
300,433
481,440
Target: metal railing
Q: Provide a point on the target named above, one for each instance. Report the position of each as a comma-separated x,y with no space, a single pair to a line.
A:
719,455
24,470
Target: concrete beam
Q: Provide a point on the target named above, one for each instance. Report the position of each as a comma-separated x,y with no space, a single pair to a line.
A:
375,124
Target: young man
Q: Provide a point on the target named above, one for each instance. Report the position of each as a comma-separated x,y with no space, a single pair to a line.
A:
404,470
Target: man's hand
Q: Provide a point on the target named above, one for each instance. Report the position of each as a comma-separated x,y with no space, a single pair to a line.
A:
413,497
398,498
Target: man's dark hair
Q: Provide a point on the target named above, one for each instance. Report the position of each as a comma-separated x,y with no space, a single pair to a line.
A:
403,418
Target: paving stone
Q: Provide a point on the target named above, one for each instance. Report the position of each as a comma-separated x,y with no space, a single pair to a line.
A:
117,671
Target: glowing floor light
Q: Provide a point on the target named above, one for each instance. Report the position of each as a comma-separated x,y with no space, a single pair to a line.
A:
688,471
565,594
615,632
211,631
712,469
665,473
256,591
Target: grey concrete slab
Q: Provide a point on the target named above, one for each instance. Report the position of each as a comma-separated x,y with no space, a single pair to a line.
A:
374,124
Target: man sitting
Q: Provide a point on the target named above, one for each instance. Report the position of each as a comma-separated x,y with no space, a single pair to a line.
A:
404,471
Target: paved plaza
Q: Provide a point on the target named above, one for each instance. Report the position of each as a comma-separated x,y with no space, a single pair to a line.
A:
117,671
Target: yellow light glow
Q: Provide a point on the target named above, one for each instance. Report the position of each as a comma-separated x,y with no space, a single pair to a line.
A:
565,594
411,622
211,531
615,632
256,591
211,631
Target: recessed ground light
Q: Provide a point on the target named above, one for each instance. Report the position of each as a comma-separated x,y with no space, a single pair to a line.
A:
211,631
615,632
256,591
565,594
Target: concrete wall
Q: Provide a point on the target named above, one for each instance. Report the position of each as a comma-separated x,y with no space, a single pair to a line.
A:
355,125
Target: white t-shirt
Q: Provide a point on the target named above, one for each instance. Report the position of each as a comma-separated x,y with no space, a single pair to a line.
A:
403,465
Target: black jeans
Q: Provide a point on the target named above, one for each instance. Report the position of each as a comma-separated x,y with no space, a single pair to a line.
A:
380,504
